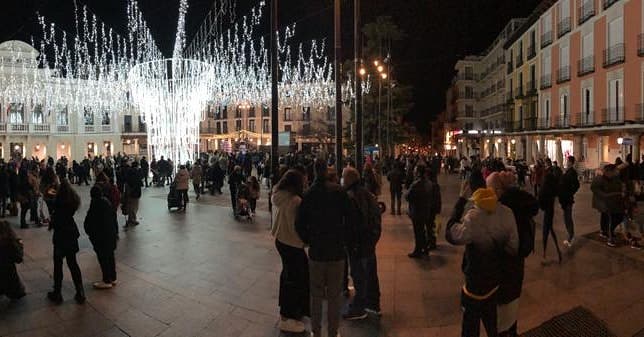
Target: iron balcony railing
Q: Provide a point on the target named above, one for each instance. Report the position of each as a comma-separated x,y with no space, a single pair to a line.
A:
613,115
545,82
530,124
563,122
563,74
585,11
608,3
640,45
585,119
614,55
531,88
546,39
518,93
586,65
639,112
532,51
543,124
563,27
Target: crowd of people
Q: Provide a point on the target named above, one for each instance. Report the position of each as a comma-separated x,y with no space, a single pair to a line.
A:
327,224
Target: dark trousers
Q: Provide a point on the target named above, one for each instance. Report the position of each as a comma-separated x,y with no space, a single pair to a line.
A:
430,231
570,225
395,201
548,217
477,311
294,298
253,204
145,177
183,196
364,272
30,204
108,265
420,234
233,199
74,269
197,188
610,221
3,205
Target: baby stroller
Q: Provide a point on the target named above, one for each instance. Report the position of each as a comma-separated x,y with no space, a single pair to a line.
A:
243,205
174,198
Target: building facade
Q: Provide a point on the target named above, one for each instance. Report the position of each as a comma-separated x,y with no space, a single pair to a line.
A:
575,83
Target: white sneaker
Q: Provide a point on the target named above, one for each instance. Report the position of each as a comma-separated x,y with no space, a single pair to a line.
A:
102,285
114,283
291,325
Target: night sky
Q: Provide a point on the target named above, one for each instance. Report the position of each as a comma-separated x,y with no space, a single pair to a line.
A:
438,32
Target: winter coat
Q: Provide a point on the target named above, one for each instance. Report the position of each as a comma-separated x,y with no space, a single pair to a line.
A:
422,199
182,179
11,252
524,207
367,225
101,225
396,178
196,174
607,194
568,186
66,232
323,221
133,184
285,206
235,180
549,189
488,232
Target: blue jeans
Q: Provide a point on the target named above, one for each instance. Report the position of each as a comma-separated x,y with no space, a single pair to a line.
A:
364,272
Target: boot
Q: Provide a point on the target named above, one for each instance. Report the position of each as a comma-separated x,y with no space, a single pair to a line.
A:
55,297
80,296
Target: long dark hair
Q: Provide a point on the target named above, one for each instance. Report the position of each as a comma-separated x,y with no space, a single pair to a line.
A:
67,197
292,181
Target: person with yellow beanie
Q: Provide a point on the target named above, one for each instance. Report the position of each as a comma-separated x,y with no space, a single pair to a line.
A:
488,231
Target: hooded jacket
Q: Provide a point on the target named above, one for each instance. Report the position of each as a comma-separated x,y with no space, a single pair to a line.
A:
101,225
182,179
367,223
285,206
488,231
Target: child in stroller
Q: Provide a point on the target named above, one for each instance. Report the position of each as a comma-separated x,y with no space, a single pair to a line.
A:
243,204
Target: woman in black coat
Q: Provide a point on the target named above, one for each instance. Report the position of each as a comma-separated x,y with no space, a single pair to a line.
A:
11,252
102,228
65,241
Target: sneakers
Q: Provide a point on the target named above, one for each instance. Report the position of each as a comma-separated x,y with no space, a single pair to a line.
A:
291,325
114,283
569,243
415,255
603,235
635,244
80,297
355,315
611,243
374,311
102,285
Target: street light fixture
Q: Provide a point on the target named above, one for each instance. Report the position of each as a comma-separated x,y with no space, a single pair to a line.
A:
376,63
384,76
381,69
363,71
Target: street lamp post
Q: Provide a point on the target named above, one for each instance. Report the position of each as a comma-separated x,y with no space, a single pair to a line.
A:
274,93
338,86
359,72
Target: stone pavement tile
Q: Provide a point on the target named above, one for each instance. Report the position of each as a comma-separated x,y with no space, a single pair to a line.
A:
225,325
415,332
260,330
24,321
135,323
42,332
114,331
629,321
190,323
442,311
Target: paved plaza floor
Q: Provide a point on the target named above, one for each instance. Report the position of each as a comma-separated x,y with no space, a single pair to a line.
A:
201,273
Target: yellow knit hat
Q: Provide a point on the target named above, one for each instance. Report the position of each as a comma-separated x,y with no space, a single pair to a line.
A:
485,199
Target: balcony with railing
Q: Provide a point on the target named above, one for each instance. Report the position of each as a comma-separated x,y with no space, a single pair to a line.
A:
510,67
532,51
546,39
585,11
63,129
640,45
518,93
464,94
613,115
563,74
563,27
639,112
3,127
40,128
608,3
530,124
531,88
466,77
519,60
563,122
545,81
614,55
585,119
18,128
586,65
543,124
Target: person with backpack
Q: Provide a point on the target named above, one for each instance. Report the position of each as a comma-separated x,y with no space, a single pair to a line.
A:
488,232
525,207
102,228
568,186
547,197
362,253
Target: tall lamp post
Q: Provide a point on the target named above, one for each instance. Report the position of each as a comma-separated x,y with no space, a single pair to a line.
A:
338,86
274,94
357,47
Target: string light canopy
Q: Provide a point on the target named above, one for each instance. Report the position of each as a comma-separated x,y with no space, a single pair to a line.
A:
94,71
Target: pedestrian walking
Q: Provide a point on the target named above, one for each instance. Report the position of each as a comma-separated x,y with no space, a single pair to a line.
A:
547,197
396,178
65,241
235,181
422,206
608,199
102,228
568,187
362,252
132,192
11,253
525,207
488,231
253,193
322,223
196,174
145,171
294,300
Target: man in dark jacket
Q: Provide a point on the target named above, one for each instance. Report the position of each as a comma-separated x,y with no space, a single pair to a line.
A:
608,199
145,170
421,211
132,189
568,186
362,254
323,224
102,228
396,178
547,197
